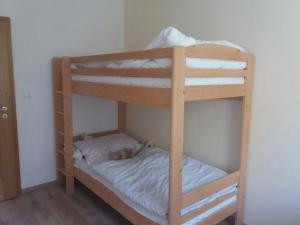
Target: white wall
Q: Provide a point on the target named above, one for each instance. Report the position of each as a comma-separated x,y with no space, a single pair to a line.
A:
40,31
269,30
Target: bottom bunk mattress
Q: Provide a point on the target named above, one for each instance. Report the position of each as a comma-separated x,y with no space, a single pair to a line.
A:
142,183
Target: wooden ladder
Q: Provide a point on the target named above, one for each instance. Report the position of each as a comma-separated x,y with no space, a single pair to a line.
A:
59,120
63,122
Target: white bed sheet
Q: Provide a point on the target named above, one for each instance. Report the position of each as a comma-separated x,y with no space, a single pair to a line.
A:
118,176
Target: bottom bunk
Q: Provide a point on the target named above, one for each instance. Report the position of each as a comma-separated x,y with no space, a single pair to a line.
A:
137,185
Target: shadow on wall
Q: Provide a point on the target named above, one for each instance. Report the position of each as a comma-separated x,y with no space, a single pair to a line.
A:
208,136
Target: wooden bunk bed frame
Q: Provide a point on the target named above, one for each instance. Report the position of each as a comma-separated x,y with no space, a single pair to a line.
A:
171,98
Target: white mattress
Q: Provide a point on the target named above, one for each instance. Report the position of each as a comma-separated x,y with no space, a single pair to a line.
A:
142,184
164,82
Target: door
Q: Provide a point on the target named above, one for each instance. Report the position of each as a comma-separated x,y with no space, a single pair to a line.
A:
9,157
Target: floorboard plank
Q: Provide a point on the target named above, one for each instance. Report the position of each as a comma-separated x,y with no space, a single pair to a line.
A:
51,206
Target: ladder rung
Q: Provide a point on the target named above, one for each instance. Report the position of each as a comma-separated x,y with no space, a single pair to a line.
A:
61,133
59,92
61,152
61,171
59,113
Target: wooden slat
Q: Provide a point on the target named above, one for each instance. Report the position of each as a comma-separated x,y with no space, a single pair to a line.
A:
207,190
122,116
61,152
68,124
206,207
213,51
220,215
109,197
191,72
176,136
194,93
160,97
62,171
60,133
59,113
244,141
97,134
146,54
149,72
59,92
104,133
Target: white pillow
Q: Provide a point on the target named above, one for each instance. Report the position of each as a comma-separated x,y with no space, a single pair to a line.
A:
98,149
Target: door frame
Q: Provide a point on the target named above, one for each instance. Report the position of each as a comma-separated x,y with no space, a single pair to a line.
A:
4,193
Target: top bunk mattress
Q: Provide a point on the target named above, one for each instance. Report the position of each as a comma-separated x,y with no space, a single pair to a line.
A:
164,82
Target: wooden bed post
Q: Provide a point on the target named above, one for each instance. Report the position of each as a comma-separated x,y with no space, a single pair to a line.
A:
57,99
176,136
244,142
68,126
122,115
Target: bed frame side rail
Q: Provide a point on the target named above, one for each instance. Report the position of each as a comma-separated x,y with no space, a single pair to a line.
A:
125,72
207,190
162,97
148,96
205,92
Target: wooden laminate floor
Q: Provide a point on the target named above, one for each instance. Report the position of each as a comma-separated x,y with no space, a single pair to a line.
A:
51,206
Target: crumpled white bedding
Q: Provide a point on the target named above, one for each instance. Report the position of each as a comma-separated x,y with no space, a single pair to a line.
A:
167,38
142,183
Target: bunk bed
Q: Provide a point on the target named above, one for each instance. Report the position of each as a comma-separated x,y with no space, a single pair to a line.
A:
169,87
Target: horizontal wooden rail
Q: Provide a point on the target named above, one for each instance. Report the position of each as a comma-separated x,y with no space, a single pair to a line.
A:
132,72
206,207
220,215
205,92
213,51
191,72
159,97
146,54
209,189
98,134
157,72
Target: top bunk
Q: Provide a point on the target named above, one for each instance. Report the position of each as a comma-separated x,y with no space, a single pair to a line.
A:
151,77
